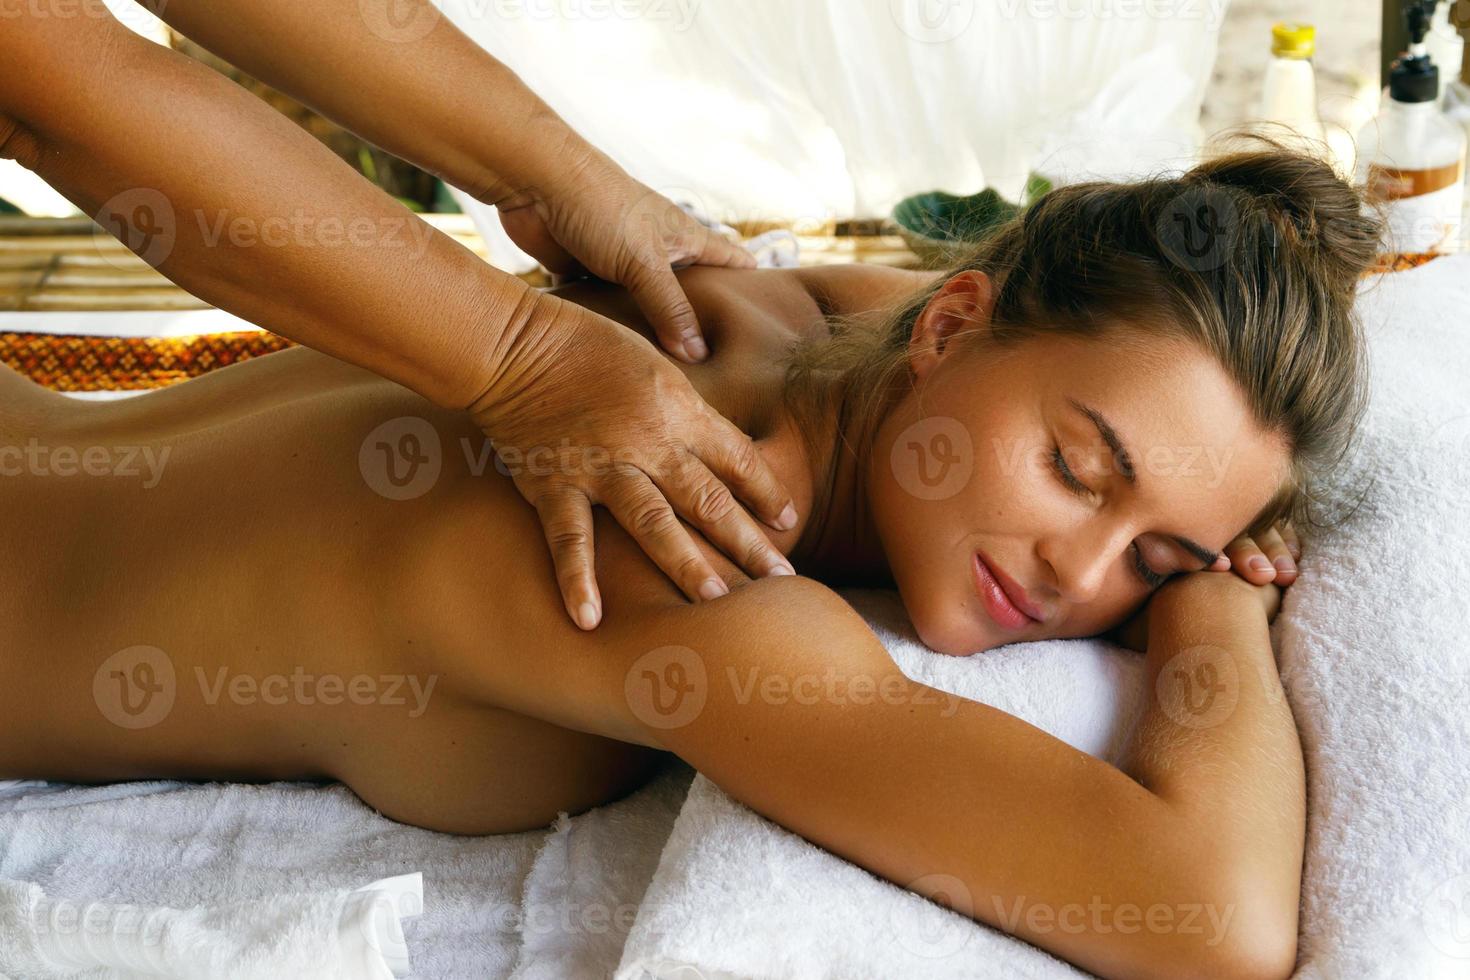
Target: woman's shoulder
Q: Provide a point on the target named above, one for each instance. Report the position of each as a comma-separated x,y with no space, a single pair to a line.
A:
855,289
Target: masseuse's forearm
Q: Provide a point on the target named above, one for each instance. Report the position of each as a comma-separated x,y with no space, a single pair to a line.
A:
414,85
248,212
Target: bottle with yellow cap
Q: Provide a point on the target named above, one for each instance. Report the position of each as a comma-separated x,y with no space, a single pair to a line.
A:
1289,90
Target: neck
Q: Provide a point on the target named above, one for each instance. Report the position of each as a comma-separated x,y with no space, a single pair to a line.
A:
838,542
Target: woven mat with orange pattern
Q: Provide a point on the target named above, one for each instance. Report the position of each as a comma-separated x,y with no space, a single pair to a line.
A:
69,362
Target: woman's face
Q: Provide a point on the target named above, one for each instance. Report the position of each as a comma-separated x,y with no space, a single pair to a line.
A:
998,470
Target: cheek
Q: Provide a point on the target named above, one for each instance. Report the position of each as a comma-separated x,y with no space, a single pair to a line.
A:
1102,615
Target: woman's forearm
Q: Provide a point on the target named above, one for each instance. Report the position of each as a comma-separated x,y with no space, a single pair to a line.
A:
1217,741
400,75
245,210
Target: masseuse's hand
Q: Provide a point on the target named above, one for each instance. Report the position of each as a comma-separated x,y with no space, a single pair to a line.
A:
594,217
587,412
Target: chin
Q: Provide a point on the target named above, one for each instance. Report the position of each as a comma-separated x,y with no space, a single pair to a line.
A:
953,639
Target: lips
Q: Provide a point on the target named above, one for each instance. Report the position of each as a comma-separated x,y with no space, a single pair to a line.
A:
1004,600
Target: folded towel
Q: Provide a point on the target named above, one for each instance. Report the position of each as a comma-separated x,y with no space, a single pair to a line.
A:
336,935
587,884
183,846
1371,642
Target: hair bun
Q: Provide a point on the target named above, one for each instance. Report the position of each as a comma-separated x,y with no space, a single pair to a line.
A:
1312,211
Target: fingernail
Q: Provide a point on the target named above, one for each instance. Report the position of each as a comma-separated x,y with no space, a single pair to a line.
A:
781,570
1259,563
695,347
1221,564
587,616
787,520
713,588
1285,564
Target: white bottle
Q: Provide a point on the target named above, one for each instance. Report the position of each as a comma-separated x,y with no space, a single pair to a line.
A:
1411,157
1289,90
1456,99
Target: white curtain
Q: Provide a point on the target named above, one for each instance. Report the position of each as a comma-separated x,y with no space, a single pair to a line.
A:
815,109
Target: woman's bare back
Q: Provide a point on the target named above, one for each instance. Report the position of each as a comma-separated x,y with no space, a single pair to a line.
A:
318,574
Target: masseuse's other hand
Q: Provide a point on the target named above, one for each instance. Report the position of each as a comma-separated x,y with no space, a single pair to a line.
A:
588,412
593,216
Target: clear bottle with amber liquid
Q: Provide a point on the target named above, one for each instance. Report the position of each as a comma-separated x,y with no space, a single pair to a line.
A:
1411,157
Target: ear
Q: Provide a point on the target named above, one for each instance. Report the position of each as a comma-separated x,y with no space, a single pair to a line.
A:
965,302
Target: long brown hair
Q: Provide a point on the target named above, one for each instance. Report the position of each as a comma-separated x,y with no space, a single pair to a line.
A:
1254,256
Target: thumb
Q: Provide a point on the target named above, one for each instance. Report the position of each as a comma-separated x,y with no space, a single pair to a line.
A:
659,296
528,231
716,249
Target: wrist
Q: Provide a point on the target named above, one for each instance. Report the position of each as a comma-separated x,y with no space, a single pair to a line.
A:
1202,606
527,170
535,332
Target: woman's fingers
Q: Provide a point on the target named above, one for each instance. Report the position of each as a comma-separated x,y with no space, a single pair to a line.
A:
1274,547
641,508
1264,558
1249,561
566,519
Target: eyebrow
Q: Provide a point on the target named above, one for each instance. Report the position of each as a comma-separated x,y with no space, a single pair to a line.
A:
1125,466
1110,436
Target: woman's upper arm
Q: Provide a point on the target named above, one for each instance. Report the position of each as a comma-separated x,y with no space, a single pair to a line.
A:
782,696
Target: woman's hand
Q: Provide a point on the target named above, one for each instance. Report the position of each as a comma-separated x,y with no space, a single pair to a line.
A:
1270,557
587,412
1212,584
595,217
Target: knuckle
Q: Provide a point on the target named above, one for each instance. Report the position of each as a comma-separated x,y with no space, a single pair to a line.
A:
568,540
712,504
650,520
745,463
758,554
689,569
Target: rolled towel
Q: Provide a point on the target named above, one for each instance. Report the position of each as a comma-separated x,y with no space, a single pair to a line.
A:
332,935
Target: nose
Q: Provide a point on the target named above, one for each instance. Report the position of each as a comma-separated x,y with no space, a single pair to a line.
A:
1081,556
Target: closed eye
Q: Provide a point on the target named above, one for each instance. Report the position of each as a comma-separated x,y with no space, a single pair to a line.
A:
1150,577
1068,478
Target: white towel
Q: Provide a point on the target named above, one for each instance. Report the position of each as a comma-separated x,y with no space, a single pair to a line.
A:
335,935
187,846
1372,643
587,884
